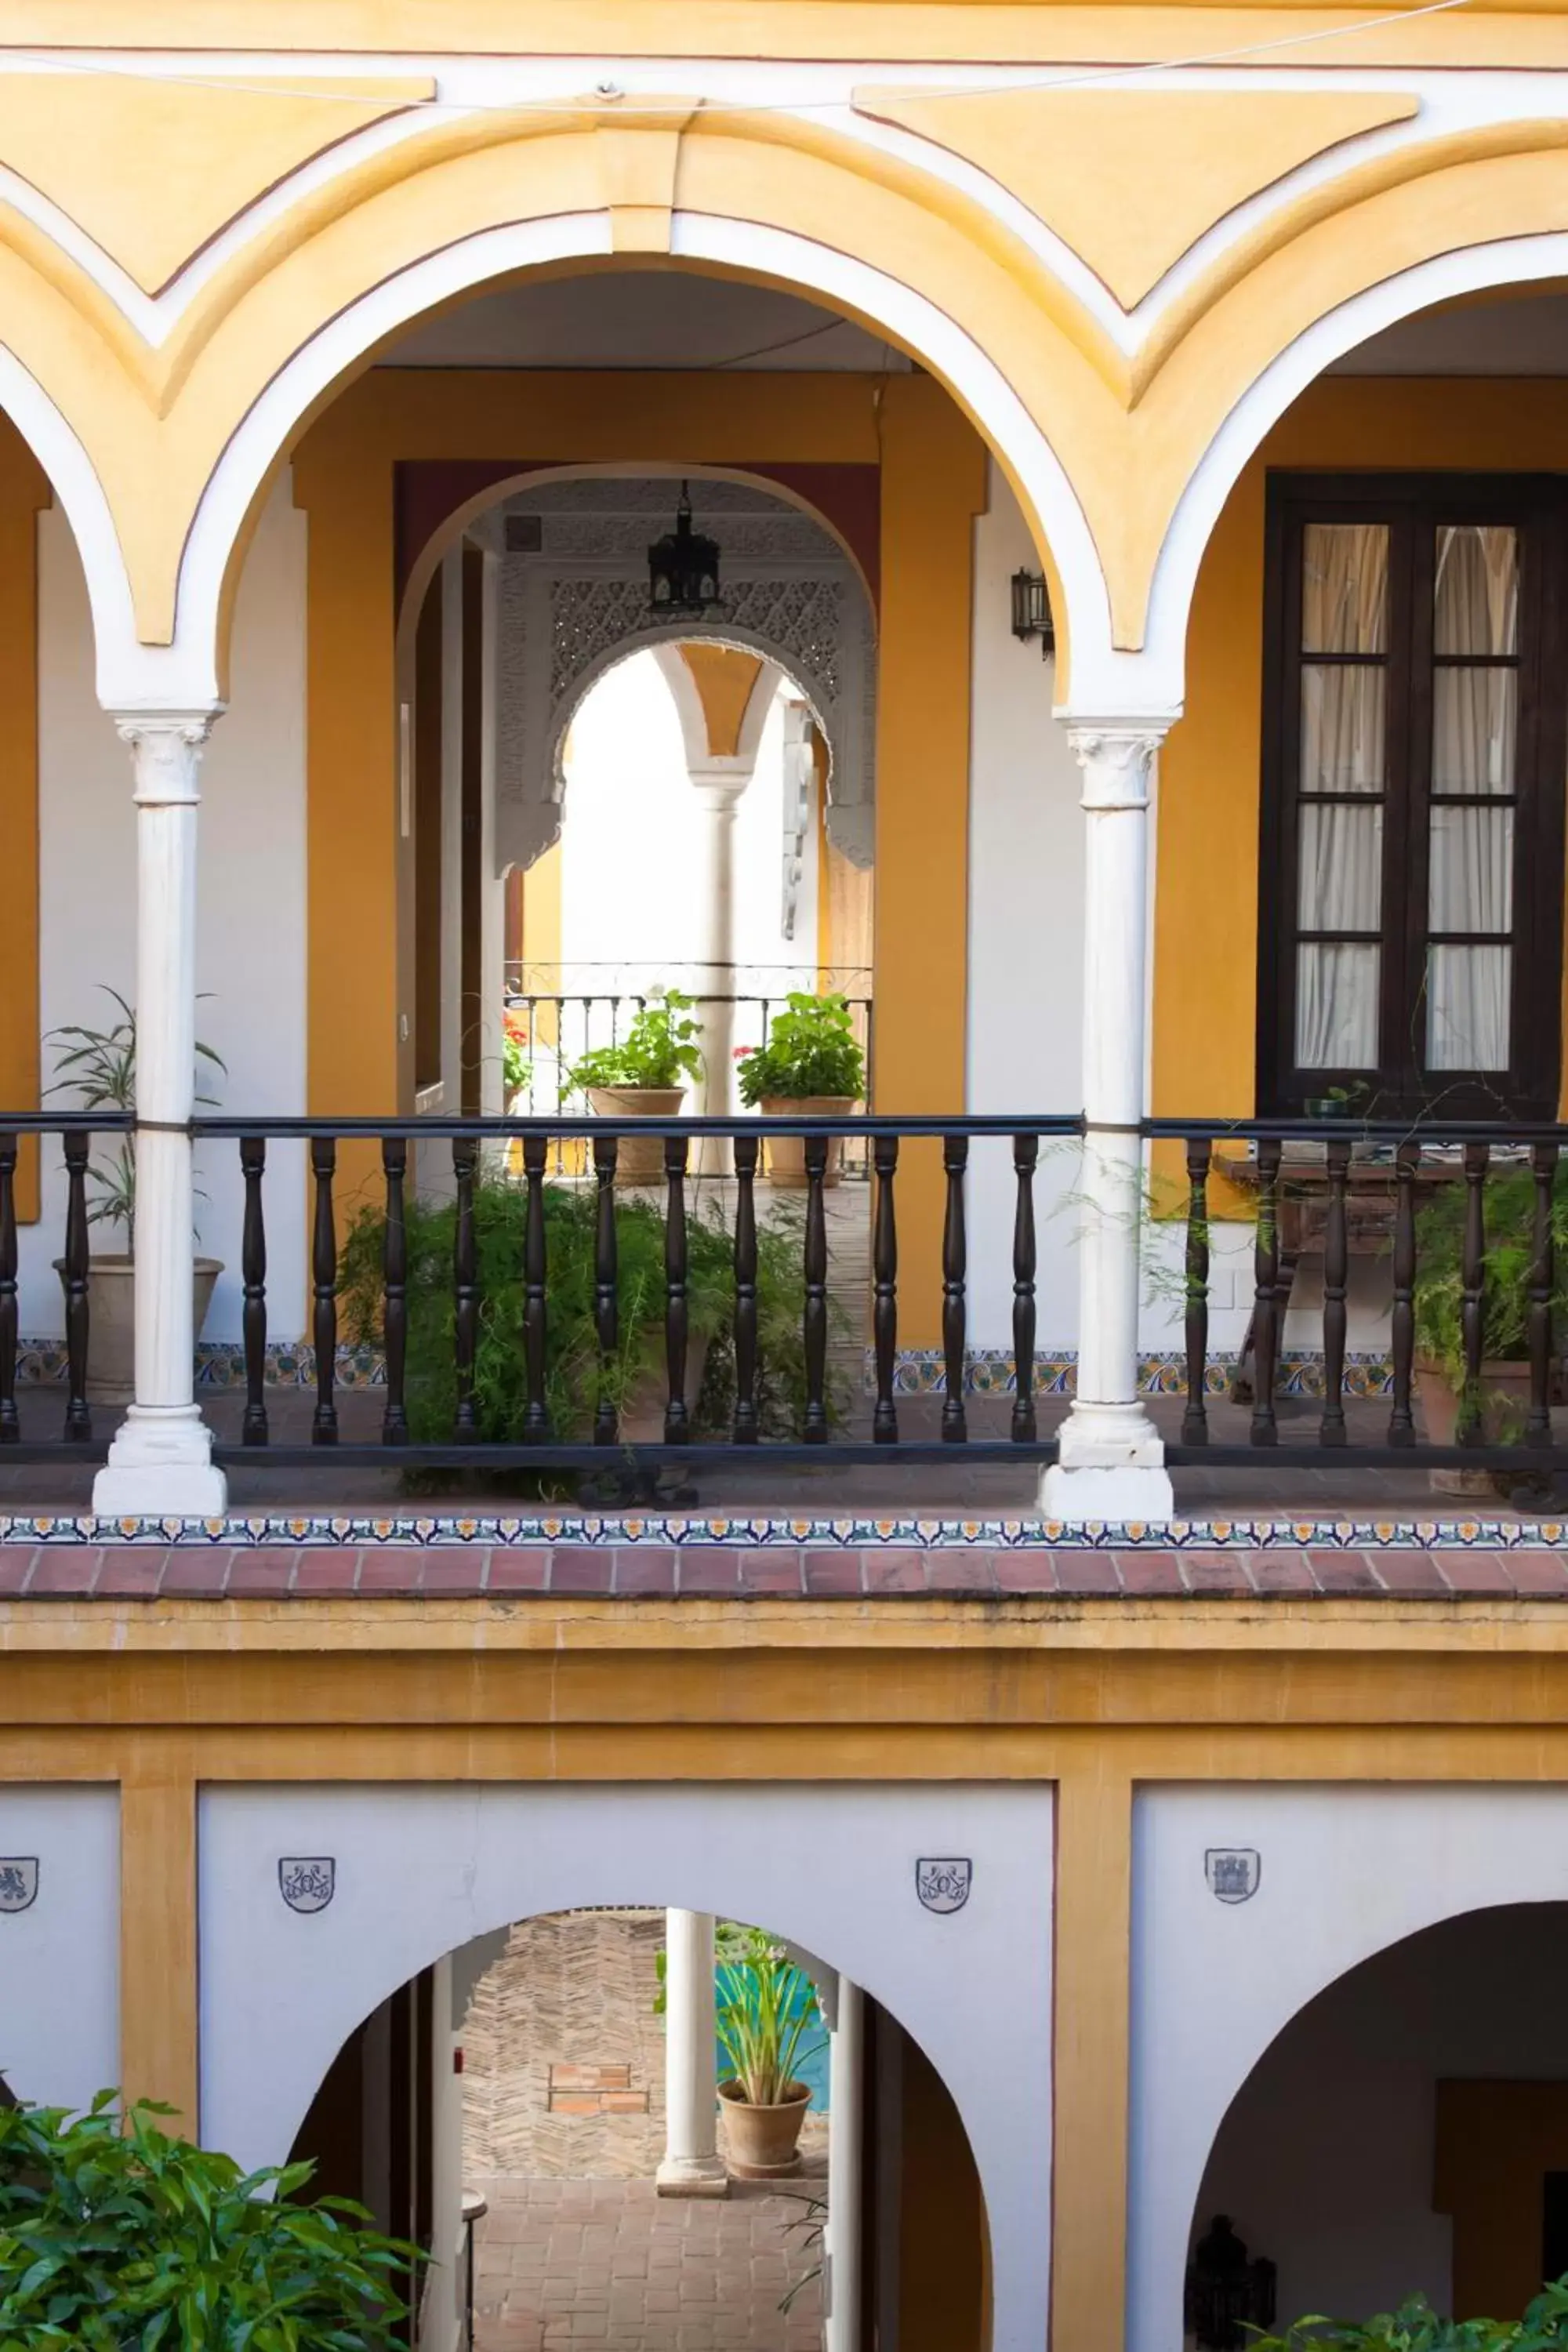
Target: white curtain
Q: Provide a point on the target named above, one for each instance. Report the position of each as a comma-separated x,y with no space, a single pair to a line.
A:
1474,730
1344,606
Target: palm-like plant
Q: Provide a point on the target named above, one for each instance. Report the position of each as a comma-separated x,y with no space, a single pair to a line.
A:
98,1067
767,2005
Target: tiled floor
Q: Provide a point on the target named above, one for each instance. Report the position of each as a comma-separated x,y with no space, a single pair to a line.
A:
606,2266
1326,1483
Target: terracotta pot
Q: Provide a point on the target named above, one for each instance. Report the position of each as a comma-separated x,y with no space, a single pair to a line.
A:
786,1153
1505,1401
642,1420
639,1159
762,2143
111,1322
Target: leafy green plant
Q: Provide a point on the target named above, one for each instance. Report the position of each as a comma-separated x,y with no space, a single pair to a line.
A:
811,1050
1509,1214
98,1067
115,2236
765,2005
659,1049
516,1067
1416,2327
574,1376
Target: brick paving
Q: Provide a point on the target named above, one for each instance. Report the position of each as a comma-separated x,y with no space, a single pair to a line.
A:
506,1577
606,2266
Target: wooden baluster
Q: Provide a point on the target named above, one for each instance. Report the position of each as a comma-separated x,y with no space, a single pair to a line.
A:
1401,1420
1336,1274
1025,1154
536,1411
748,1425
1543,1283
1265,1430
394,1283
73,1273
253,1272
10,1425
885,1290
677,1420
324,1280
1468,1429
606,1285
1195,1419
814,1317
954,1294
465,1288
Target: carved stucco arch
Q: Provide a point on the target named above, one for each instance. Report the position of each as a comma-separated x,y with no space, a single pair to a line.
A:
566,615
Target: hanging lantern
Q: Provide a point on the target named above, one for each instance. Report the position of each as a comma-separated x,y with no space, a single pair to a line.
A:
683,567
1229,2296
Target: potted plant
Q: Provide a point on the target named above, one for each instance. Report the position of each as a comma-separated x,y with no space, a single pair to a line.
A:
811,1066
98,1067
1503,1395
765,2005
1416,2327
517,1070
644,1076
114,2233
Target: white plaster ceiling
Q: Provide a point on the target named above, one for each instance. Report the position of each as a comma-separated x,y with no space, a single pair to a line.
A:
643,318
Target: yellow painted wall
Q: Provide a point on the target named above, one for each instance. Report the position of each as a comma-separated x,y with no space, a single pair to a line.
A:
933,485
23,490
1206,970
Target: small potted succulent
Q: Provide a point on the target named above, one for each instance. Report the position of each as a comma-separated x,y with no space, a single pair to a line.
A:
766,2004
645,1077
98,1067
811,1066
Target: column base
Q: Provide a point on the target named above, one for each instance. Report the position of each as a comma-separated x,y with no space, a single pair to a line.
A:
1110,1464
692,2176
161,1466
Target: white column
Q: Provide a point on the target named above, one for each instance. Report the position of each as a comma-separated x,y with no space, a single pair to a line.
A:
161,1460
692,2165
842,2243
718,790
1110,1464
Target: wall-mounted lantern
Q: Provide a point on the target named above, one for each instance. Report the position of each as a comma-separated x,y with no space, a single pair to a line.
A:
1032,610
1228,2294
683,569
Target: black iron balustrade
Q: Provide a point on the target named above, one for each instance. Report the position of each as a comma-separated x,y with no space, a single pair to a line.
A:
76,1131
540,1143
1461,1152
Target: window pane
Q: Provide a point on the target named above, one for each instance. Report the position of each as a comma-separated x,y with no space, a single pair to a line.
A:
1336,1007
1476,602
1341,883
1471,883
1468,991
1474,730
1344,588
1342,729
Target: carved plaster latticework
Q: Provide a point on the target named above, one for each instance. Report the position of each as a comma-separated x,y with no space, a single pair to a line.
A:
574,602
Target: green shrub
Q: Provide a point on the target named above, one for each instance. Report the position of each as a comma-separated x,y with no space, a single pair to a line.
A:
811,1050
119,2239
659,1049
573,1372
1509,1213
1416,2327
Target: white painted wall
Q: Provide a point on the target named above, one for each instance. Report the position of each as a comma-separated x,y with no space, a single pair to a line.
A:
251,907
1346,1871
422,1870
1347,2214
1026,938
60,1960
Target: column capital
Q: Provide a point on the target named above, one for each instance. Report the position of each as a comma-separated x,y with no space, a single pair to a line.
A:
720,784
166,748
1116,755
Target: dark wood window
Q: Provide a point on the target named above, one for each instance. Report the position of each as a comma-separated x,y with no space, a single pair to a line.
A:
1414,698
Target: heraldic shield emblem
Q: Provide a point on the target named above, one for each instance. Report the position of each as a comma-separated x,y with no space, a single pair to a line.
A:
942,1883
308,1882
19,1882
1233,1872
